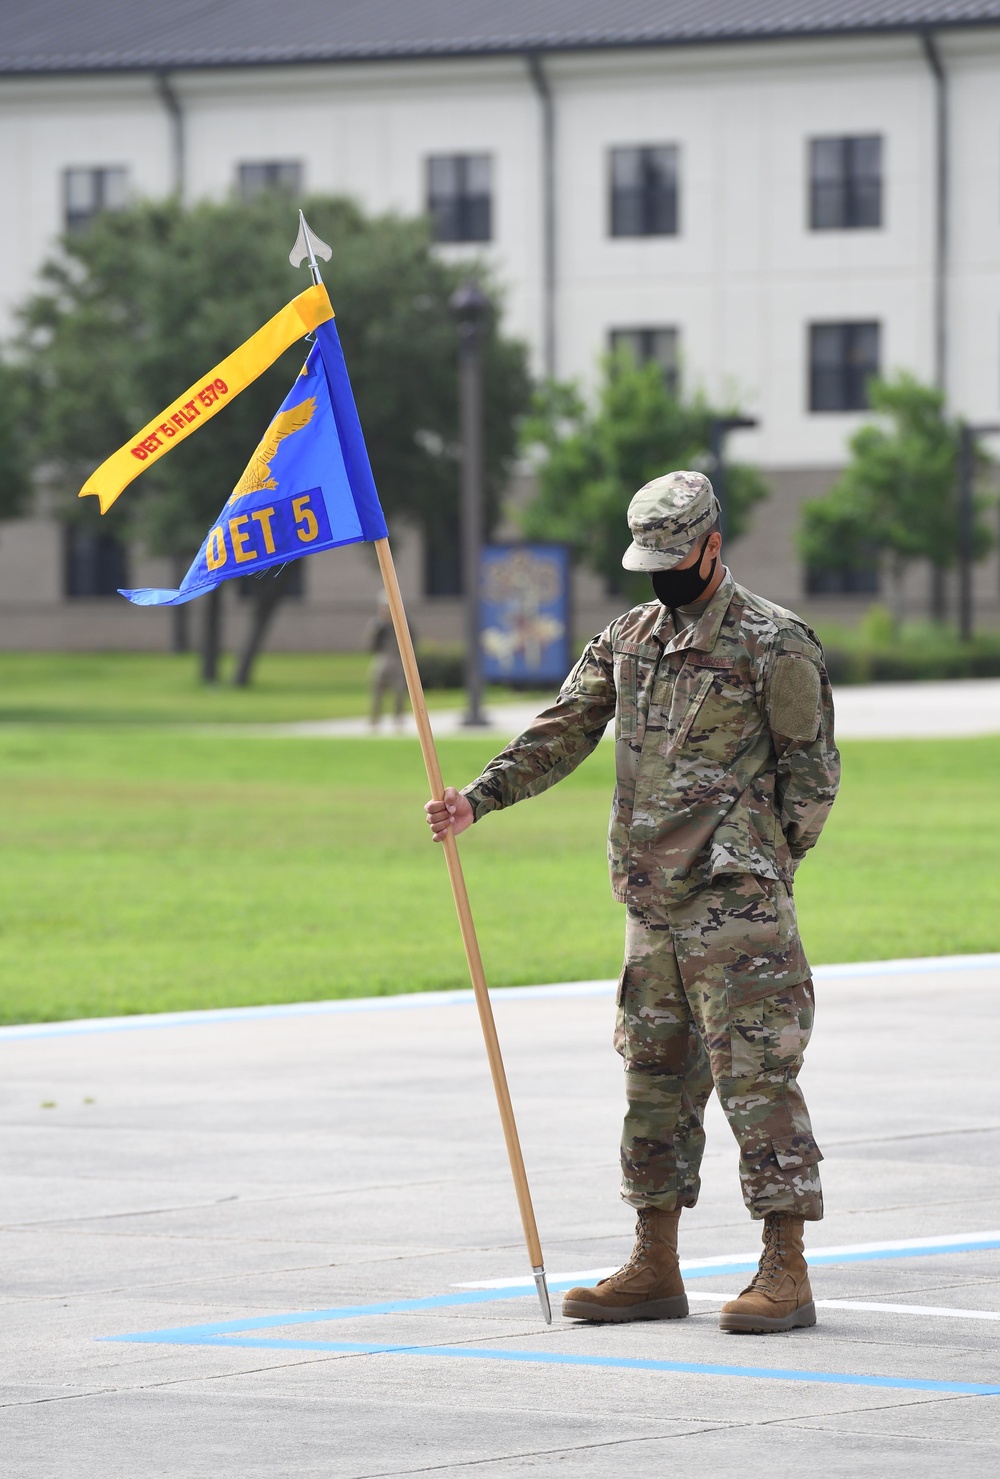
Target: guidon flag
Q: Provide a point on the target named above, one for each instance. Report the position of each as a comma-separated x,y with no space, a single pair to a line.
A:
308,486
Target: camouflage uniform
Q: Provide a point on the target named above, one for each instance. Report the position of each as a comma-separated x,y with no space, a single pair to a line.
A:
726,771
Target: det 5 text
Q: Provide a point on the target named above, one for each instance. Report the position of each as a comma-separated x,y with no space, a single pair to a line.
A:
285,528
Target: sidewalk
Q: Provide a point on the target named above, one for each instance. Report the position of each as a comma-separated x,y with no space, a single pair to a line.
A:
285,1242
869,711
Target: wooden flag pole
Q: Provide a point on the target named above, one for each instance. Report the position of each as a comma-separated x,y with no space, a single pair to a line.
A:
307,244
466,924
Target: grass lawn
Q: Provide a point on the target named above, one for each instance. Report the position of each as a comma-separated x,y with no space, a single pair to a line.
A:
147,869
161,688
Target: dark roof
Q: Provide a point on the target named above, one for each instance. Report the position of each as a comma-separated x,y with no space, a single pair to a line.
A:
48,36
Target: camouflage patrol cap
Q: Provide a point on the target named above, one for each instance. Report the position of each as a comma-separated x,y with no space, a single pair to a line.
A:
667,517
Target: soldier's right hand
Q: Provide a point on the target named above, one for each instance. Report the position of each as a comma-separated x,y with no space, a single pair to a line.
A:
453,814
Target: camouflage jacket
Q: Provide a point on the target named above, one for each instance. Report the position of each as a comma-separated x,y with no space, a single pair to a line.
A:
724,746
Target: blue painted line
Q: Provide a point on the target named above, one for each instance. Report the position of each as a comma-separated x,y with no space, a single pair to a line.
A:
220,1330
816,1260
340,1312
625,1363
414,1001
959,1247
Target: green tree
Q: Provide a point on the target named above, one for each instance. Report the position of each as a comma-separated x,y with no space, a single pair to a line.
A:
896,498
146,300
15,480
592,461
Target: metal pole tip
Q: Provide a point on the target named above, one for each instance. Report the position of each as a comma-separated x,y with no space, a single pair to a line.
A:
543,1292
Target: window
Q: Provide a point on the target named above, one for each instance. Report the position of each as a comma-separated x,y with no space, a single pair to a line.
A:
88,192
845,183
848,580
842,359
442,560
94,564
459,196
270,174
657,344
644,191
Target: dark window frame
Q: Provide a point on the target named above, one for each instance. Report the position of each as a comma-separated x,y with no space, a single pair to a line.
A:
846,580
641,340
258,176
841,363
846,182
443,575
643,190
459,204
95,563
103,180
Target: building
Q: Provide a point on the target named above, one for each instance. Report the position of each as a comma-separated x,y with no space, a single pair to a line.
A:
774,201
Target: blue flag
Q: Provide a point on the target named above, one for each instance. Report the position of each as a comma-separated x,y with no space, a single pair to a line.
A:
308,486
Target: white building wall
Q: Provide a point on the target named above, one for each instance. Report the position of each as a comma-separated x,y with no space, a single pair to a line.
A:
745,275
743,278
53,124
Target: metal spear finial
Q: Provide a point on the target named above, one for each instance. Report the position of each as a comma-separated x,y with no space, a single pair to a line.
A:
543,1293
307,247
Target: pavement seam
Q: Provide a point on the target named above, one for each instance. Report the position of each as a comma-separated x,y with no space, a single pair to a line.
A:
499,1458
178,1381
914,1135
950,1439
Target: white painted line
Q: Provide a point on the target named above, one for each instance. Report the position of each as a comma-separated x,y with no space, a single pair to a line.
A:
909,1309
726,1262
918,966
417,1000
861,1304
343,1006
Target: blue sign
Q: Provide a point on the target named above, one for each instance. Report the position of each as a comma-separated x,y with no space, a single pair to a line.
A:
525,626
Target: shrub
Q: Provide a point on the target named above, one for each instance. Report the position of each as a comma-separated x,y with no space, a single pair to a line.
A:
441,664
921,652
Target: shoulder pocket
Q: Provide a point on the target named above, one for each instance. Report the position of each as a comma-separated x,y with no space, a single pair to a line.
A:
793,710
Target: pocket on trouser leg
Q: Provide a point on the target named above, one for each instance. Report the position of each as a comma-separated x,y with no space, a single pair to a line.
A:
779,1164
729,945
747,1035
652,1019
787,1181
788,1025
618,1040
768,1028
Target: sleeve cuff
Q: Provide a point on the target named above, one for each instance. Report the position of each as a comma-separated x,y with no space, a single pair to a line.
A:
480,802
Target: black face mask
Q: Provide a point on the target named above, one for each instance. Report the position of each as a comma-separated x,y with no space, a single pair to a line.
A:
683,587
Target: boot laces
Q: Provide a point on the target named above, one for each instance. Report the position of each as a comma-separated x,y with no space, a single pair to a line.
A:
769,1268
640,1252
643,1238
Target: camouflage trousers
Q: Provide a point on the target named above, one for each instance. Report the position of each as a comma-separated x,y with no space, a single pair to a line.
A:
716,993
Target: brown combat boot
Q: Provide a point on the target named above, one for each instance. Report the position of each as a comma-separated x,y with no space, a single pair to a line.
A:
778,1297
649,1287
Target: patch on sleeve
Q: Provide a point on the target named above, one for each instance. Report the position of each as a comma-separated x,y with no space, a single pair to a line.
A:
794,707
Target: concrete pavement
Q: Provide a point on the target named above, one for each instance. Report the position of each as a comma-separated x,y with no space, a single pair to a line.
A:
946,710
248,1244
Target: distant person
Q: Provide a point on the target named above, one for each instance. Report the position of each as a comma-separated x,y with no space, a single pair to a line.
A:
726,772
387,674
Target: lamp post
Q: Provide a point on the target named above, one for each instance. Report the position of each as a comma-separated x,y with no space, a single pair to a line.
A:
966,524
718,428
470,306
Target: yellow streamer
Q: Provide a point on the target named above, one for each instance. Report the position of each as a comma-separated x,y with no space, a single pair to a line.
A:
207,396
